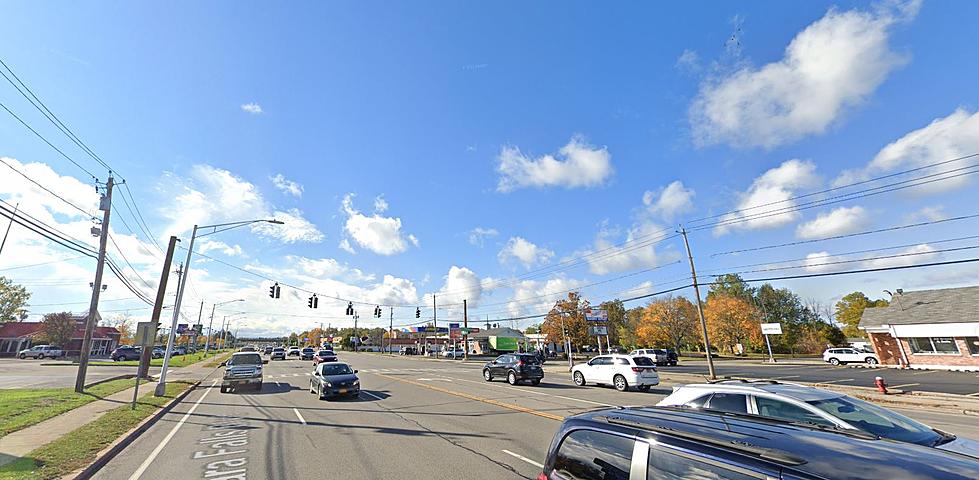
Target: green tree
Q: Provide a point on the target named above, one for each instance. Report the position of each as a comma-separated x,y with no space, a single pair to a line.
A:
569,314
532,329
58,328
293,339
732,285
13,300
849,310
616,319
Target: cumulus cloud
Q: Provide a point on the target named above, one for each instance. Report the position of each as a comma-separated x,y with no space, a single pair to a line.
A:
532,296
380,204
525,252
636,252
922,253
377,233
478,235
205,245
346,247
688,61
927,214
820,262
670,201
252,108
943,139
760,207
460,284
287,186
830,66
839,221
577,165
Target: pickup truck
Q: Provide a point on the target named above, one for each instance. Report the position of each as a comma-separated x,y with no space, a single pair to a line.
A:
243,369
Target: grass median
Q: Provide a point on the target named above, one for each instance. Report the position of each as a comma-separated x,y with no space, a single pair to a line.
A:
23,407
175,361
79,447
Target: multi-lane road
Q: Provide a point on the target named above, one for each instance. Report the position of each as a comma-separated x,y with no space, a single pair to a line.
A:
413,419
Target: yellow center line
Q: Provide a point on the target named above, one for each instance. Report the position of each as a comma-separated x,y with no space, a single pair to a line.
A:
490,401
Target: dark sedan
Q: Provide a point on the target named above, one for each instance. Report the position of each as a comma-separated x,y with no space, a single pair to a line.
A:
515,367
334,379
324,356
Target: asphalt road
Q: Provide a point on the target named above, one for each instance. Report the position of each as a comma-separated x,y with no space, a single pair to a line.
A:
964,383
29,373
414,419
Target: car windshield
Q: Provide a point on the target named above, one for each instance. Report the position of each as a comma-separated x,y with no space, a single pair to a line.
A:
336,369
247,359
878,420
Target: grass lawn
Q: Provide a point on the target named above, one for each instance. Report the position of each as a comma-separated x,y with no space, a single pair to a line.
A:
175,361
215,361
79,447
23,407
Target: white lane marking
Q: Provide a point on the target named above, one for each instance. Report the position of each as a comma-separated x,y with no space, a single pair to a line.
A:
835,381
301,419
159,448
924,372
308,374
973,394
369,394
521,457
786,376
903,385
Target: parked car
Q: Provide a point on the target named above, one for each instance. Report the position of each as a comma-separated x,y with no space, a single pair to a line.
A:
408,351
307,354
515,367
799,403
324,356
41,351
657,355
243,369
278,352
842,356
157,352
672,357
457,353
334,379
126,352
669,443
179,350
268,349
620,371
293,351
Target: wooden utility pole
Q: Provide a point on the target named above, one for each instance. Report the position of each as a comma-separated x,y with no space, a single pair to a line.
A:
700,306
93,309
161,293
465,325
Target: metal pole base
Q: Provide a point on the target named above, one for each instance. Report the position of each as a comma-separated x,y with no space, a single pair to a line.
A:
161,388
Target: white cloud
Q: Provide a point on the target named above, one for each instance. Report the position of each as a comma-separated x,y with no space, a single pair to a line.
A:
688,61
346,247
839,221
252,108
532,296
670,201
287,186
943,139
460,284
210,195
636,252
478,235
578,164
922,253
205,245
762,205
525,252
380,204
379,234
818,262
830,66
927,214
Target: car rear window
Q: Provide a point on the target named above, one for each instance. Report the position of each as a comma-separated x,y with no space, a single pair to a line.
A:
325,353
588,454
664,465
531,359
644,361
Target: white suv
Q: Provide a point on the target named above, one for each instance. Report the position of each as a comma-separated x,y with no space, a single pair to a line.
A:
41,351
842,356
620,371
657,355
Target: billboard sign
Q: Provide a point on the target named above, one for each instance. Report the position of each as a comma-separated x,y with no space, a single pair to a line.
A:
596,315
182,329
598,330
199,329
506,344
771,328
453,326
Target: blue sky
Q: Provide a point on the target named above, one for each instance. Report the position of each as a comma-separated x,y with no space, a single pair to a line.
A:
448,113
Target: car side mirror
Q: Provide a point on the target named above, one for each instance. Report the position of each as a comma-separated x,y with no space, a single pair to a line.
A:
355,371
222,364
265,361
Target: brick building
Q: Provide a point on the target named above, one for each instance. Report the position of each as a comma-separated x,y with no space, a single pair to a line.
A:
934,329
17,336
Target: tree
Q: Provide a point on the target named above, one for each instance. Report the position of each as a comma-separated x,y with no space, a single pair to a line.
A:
293,339
627,333
568,312
58,328
671,321
732,285
124,323
13,300
532,329
616,319
732,321
849,310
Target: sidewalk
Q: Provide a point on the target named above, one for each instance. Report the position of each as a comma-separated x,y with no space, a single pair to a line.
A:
22,442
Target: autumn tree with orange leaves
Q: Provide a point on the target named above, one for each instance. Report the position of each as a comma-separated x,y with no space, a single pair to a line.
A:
670,322
732,321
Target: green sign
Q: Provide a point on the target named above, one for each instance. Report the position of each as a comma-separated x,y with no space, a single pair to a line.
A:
505,344
465,331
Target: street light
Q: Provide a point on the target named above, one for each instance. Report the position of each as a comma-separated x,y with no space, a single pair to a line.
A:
211,324
217,228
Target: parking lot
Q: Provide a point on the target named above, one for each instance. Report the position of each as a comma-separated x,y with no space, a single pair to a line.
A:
29,373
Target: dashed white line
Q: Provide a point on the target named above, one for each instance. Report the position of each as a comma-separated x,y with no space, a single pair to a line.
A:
904,385
786,376
159,448
301,419
836,381
521,457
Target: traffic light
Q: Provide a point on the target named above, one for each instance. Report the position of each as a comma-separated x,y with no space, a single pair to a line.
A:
418,313
275,290
377,312
314,301
350,308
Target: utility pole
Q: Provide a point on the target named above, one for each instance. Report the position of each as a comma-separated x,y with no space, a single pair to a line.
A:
465,324
8,226
700,306
435,319
161,386
356,335
199,314
210,330
161,292
105,204
391,332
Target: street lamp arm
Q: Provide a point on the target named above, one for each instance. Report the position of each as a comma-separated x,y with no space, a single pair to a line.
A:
228,226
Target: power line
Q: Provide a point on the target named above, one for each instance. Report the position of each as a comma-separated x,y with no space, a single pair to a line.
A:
848,235
59,197
840,262
45,140
851,272
39,264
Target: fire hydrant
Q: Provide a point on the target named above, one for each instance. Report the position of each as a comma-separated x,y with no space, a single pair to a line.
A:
881,385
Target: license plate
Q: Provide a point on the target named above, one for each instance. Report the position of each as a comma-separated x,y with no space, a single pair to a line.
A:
342,390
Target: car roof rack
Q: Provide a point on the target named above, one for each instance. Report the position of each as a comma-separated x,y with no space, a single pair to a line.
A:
745,381
779,456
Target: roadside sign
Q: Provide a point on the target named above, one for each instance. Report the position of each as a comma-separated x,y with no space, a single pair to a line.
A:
181,328
465,331
453,326
598,330
771,328
596,315
145,334
199,329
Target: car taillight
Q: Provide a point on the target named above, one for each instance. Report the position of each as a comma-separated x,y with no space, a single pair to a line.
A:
542,476
520,363
637,369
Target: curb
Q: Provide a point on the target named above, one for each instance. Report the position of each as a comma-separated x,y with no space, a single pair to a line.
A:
117,446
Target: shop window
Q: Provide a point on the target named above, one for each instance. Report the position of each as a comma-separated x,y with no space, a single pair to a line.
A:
973,343
939,345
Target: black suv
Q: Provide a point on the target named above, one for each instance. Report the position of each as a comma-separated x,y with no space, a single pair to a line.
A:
515,367
675,443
